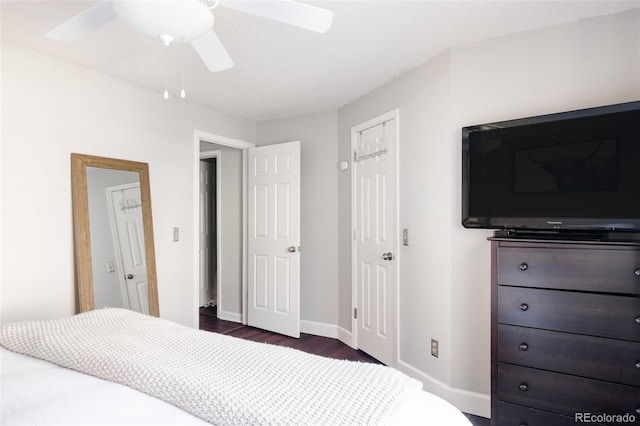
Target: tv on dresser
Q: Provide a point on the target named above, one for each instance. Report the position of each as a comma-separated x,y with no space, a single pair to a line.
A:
575,172
562,192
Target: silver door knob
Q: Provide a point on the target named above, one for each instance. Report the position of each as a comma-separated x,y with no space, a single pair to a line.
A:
292,249
129,276
387,256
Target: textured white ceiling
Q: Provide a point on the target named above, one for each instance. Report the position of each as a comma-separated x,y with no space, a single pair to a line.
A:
283,71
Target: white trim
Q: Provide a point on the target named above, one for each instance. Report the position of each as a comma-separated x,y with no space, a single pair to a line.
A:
245,240
199,136
319,329
217,154
229,316
429,383
382,118
478,404
475,403
220,140
209,154
346,337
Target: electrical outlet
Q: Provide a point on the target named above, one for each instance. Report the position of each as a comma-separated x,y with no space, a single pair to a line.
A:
434,348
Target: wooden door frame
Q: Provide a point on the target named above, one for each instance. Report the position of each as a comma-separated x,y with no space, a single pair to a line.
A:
389,115
201,136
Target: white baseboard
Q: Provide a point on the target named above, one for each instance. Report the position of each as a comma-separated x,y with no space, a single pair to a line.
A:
469,402
229,316
319,329
327,330
346,337
475,403
309,327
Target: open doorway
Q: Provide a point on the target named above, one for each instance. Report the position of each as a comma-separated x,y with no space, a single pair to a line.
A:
257,218
220,230
208,257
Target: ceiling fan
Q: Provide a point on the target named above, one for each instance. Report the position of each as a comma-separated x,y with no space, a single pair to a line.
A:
189,21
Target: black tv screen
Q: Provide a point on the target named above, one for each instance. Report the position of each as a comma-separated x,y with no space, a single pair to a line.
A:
570,171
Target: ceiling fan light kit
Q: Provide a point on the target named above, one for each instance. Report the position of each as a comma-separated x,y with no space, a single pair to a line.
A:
189,21
182,20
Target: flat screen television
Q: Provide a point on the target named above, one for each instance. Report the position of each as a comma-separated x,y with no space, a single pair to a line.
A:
573,172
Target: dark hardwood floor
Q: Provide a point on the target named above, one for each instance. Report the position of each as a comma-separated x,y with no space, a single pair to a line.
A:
331,348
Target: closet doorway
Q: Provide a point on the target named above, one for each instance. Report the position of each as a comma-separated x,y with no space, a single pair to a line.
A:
208,253
221,225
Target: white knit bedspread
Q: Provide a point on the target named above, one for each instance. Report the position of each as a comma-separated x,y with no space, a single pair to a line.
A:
221,379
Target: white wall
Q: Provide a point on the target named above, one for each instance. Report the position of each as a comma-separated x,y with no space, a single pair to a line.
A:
445,274
318,210
426,200
444,277
586,64
50,109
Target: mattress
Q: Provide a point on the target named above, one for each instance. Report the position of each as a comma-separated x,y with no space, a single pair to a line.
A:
36,392
116,366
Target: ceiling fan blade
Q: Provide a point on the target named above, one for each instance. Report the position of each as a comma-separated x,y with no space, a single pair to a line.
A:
81,25
212,52
286,11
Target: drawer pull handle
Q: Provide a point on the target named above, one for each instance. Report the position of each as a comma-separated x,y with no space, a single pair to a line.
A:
637,320
638,364
523,387
524,347
524,307
524,267
637,272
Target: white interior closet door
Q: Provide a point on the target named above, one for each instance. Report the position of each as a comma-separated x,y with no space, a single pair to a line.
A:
274,237
375,236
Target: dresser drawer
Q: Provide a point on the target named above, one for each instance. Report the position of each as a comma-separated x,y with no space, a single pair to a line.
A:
595,357
516,415
583,313
609,271
564,394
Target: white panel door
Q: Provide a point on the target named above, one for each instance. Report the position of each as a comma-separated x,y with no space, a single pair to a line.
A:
128,234
375,236
273,238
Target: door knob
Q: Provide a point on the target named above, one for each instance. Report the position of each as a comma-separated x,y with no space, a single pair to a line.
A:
292,249
129,276
387,256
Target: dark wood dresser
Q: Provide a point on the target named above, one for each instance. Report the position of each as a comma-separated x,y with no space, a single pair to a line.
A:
565,332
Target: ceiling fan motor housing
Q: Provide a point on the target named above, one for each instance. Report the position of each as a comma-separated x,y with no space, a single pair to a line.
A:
174,21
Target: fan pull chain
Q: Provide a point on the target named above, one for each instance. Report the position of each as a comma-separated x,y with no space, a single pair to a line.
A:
182,92
166,39
166,72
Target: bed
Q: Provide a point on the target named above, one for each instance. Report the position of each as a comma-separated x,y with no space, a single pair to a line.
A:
118,367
